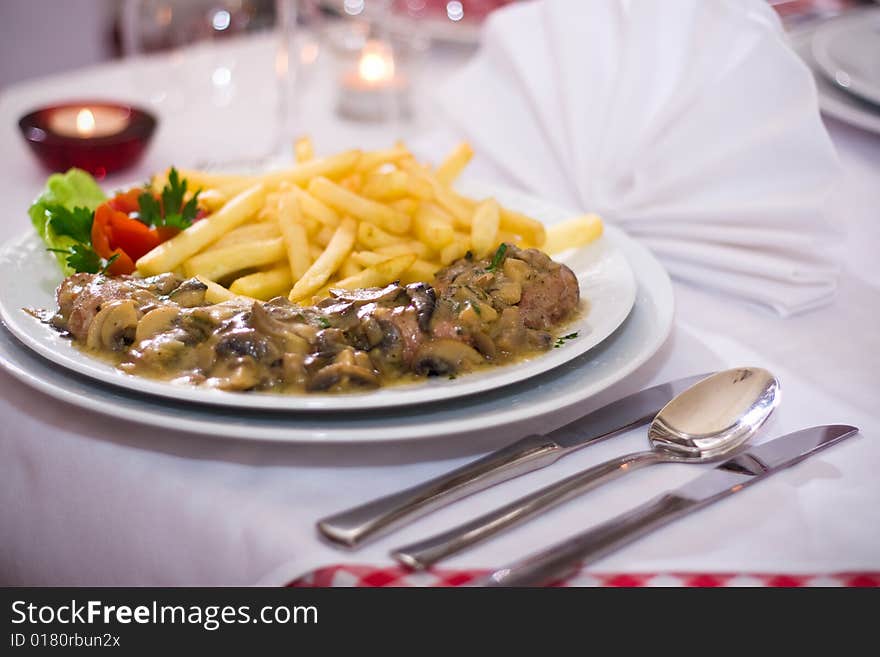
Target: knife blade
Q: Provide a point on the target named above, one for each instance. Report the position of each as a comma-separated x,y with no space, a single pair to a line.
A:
353,526
731,476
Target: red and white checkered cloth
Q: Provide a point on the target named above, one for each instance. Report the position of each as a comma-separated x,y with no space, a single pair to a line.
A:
351,575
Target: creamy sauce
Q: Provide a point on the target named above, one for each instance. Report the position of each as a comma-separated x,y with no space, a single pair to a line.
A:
477,314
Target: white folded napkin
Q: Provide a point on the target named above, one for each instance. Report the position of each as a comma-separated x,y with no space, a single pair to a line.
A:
689,123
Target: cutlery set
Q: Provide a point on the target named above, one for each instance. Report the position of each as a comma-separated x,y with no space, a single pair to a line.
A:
698,419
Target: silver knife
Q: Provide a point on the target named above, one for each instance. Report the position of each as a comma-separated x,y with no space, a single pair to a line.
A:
732,476
355,525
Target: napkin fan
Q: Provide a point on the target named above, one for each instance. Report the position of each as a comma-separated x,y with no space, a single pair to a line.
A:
691,124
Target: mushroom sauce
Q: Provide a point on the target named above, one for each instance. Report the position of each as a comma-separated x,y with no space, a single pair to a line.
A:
478,312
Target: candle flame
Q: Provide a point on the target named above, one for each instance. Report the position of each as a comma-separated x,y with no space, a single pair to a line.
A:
377,62
85,122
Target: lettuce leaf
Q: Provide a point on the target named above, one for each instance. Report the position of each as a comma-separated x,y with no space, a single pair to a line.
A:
71,190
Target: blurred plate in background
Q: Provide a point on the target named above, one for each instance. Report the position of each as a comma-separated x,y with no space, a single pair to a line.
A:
847,50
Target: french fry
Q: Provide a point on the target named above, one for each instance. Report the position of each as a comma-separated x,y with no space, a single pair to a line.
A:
484,227
264,285
574,232
378,275
353,182
456,249
420,271
510,238
296,238
431,227
349,268
324,235
185,244
303,149
532,230
216,264
370,258
359,207
328,262
372,237
394,185
312,207
400,248
374,159
216,293
445,197
212,200
454,163
249,232
331,167
407,206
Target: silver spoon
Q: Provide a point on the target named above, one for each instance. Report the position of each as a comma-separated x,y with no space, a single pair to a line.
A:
706,422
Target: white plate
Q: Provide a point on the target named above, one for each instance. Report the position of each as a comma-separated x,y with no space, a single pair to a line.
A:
847,50
641,335
607,288
833,100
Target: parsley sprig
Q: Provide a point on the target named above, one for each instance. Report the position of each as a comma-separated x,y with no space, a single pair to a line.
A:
565,338
82,258
498,258
171,211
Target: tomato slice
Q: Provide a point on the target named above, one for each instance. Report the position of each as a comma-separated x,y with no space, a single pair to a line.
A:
127,202
101,230
122,265
132,236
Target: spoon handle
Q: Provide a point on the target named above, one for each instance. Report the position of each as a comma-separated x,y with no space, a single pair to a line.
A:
429,551
562,560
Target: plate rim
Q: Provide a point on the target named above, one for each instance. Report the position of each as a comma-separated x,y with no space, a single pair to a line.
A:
647,269
411,397
846,111
819,49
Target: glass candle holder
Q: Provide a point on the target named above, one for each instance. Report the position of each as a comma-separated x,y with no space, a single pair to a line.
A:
98,136
373,64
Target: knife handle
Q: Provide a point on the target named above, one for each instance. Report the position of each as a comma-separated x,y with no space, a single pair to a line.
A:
352,527
566,558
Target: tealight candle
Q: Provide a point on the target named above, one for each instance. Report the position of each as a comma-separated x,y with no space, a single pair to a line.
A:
373,90
97,136
85,122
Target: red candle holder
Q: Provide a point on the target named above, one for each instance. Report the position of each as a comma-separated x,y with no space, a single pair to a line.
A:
98,136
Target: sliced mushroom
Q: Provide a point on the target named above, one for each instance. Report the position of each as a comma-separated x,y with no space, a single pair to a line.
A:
424,299
160,284
343,376
238,374
114,326
190,293
156,321
368,294
445,357
388,354
246,342
342,315
286,332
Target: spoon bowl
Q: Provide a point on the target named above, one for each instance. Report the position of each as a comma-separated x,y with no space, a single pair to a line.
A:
716,415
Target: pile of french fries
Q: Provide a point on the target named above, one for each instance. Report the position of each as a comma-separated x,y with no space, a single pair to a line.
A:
351,220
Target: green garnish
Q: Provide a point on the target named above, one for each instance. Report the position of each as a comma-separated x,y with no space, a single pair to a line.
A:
324,322
498,257
82,258
75,223
172,211
561,341
62,214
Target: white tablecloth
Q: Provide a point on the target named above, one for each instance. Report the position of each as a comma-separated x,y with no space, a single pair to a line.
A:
86,500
